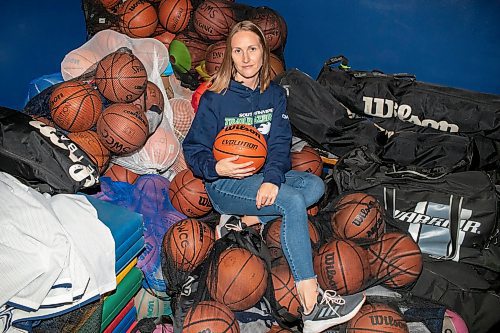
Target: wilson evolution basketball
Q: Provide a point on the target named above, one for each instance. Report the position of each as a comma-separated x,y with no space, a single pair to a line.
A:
358,216
395,259
75,106
343,266
239,279
244,141
188,195
377,317
187,243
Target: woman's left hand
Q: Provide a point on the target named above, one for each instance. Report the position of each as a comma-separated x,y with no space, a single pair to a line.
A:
266,195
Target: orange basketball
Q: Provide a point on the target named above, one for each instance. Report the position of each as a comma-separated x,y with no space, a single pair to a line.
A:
277,329
213,19
89,142
277,66
122,128
75,106
242,140
239,280
273,239
152,99
121,77
307,160
117,173
138,18
109,3
195,45
165,37
358,216
284,289
341,265
270,24
377,317
188,195
174,15
187,243
214,56
210,317
395,259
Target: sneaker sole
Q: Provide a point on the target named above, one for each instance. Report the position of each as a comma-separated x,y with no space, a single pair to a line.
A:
333,322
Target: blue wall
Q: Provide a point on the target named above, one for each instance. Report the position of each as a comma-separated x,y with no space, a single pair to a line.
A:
449,42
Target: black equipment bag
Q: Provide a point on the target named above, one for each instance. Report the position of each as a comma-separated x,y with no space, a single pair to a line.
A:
41,156
399,102
451,216
320,119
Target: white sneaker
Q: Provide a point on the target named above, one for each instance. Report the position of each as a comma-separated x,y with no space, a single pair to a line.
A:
331,310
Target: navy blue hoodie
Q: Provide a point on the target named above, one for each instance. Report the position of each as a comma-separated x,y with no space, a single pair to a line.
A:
241,105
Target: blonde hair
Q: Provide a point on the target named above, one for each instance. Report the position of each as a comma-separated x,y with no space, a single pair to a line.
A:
227,71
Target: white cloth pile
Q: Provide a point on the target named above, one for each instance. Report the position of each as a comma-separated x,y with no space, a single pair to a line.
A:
55,254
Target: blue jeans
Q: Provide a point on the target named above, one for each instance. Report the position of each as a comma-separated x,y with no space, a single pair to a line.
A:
300,190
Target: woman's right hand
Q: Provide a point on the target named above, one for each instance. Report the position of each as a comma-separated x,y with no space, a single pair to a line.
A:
227,167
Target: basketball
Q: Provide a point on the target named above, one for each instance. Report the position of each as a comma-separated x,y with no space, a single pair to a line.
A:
210,316
188,195
276,64
117,173
166,38
271,27
121,77
307,160
160,150
183,116
341,265
196,47
239,280
273,240
213,19
284,289
75,106
89,142
152,99
174,15
395,259
187,243
214,57
122,128
377,317
138,18
109,3
357,216
242,140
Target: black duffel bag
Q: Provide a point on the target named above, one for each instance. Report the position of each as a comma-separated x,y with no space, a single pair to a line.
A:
41,156
399,102
451,215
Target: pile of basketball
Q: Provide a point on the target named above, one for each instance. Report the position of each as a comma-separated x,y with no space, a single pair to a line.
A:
361,254
105,115
195,36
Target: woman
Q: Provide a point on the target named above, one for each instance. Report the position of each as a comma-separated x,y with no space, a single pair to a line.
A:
242,92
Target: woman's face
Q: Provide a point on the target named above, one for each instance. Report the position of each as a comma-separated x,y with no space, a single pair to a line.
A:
247,54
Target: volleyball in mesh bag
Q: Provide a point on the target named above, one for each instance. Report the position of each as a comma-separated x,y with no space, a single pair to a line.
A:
183,116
